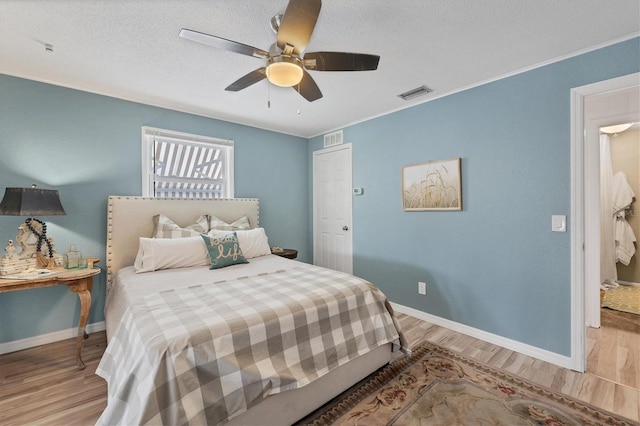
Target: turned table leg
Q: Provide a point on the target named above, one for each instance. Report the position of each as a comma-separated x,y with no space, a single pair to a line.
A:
81,288
90,288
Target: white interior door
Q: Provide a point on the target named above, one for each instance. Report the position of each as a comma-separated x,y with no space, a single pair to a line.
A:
332,209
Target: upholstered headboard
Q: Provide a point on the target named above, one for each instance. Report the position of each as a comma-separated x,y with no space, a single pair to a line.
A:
129,218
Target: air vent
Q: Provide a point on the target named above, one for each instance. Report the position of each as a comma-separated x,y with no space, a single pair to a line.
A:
332,139
414,93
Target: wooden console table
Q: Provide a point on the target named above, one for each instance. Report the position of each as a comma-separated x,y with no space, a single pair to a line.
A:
79,281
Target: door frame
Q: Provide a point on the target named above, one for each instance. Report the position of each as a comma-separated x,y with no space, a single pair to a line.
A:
585,213
348,147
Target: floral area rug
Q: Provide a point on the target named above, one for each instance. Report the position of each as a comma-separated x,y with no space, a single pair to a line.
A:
625,298
438,387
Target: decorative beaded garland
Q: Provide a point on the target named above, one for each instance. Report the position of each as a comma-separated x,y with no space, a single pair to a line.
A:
41,236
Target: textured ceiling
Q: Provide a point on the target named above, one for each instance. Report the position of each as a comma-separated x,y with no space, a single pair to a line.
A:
130,49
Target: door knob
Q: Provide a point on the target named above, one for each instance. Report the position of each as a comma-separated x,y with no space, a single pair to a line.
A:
345,228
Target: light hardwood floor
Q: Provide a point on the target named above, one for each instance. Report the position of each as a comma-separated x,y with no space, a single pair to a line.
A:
43,386
614,348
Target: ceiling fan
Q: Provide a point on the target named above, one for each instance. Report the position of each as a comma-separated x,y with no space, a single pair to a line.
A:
287,64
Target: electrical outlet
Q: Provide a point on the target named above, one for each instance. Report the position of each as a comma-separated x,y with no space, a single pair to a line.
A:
422,288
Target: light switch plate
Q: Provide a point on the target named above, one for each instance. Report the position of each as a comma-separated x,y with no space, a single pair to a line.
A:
559,223
358,191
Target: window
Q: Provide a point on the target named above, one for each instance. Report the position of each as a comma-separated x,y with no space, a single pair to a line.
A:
181,165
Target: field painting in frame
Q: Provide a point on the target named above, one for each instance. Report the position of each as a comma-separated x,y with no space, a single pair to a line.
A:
432,186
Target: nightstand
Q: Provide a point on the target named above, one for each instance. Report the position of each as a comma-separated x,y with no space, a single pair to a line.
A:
288,253
79,281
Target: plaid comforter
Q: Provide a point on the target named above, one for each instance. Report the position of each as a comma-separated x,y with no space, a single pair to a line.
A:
204,354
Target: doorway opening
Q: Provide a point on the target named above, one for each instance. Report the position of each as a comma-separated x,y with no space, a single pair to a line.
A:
593,106
615,345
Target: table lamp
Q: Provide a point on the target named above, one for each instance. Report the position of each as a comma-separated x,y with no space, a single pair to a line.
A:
32,236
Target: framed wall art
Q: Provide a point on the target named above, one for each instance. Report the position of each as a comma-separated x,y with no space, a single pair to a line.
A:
432,186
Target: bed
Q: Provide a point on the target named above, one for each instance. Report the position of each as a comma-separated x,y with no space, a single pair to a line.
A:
265,341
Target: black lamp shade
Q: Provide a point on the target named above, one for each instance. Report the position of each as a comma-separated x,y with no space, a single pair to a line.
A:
31,202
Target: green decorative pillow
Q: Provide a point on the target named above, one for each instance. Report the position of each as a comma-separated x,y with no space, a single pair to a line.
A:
224,250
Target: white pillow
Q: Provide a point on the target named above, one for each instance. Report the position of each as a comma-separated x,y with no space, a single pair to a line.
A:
168,253
253,242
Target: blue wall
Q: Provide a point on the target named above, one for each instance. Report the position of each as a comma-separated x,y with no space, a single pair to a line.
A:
88,147
496,265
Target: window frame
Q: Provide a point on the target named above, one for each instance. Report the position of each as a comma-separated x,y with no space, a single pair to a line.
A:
149,135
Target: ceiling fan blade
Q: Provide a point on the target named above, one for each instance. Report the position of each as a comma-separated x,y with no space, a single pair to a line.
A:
223,43
308,88
247,80
297,24
340,61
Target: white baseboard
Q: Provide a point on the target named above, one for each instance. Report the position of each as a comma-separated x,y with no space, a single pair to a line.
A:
628,283
43,339
514,345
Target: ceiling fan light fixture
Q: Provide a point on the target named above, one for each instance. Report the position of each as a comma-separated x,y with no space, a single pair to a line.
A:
284,71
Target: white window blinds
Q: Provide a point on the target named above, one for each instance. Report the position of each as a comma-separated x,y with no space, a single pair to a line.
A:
181,165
